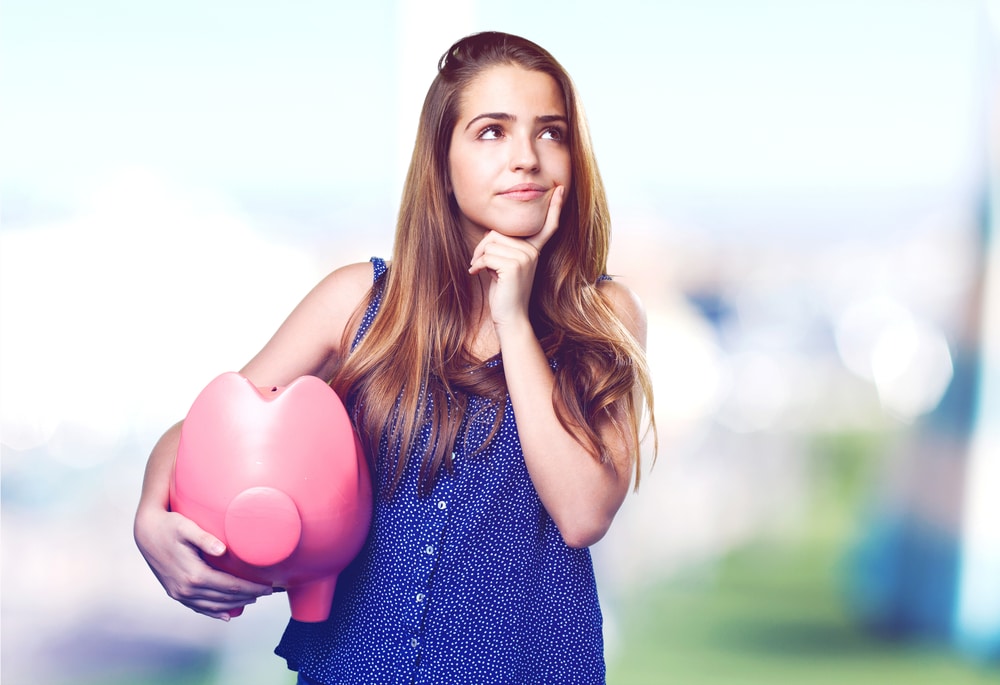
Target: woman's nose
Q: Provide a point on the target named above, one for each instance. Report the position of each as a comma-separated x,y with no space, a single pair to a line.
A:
524,156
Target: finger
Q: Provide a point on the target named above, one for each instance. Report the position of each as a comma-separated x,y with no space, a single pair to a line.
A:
490,247
222,604
218,606
202,583
219,586
208,544
221,612
551,219
210,579
199,538
502,255
481,248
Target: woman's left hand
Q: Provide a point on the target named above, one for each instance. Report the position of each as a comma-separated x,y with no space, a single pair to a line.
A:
511,262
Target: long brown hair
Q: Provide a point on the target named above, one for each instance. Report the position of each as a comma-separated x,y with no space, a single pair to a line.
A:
412,371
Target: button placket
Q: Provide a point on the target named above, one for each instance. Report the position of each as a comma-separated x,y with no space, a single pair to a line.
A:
428,555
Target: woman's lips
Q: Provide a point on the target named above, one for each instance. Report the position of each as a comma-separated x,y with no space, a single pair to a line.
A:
524,192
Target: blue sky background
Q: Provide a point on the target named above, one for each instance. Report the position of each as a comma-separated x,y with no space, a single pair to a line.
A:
306,106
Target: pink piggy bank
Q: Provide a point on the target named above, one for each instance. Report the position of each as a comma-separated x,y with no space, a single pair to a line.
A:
280,477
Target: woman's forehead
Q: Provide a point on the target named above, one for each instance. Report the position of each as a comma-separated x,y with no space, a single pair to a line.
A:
511,89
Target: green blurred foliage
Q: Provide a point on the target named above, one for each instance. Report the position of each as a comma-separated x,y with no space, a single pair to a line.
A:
774,611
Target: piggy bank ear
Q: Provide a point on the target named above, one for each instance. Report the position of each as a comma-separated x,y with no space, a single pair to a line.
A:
263,526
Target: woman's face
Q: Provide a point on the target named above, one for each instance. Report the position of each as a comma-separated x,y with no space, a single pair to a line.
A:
508,151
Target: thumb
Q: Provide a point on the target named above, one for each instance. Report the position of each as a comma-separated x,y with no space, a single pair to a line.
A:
551,218
212,546
202,539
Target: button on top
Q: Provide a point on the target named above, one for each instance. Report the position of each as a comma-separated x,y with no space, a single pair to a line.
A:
442,505
420,596
414,642
429,549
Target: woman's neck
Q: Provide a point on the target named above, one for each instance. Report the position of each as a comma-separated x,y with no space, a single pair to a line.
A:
481,340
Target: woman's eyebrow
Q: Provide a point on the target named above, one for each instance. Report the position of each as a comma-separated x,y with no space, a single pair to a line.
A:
499,116
549,118
503,116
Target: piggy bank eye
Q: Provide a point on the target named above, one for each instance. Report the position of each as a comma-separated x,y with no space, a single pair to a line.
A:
274,389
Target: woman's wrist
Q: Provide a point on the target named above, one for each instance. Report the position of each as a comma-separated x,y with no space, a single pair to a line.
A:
518,328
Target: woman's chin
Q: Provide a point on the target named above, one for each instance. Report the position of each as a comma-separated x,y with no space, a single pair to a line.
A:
519,231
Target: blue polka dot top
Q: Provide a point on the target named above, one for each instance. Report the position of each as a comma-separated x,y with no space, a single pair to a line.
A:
471,584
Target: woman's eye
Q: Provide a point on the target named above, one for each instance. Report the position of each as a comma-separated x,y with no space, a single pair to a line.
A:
553,134
491,133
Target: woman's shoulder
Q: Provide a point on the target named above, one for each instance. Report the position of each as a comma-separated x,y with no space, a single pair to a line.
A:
626,305
350,282
338,295
620,296
311,338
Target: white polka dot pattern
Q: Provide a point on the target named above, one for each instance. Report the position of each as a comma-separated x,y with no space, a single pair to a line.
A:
469,584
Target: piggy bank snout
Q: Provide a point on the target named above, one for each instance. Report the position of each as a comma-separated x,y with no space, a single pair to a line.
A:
263,526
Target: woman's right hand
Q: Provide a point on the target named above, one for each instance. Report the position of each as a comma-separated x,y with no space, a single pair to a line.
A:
173,546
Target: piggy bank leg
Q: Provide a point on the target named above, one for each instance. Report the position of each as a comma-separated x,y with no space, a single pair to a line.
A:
310,602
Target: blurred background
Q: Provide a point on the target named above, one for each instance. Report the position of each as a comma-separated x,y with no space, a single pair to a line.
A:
804,195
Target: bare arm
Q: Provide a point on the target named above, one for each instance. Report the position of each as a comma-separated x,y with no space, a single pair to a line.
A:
310,338
306,342
581,494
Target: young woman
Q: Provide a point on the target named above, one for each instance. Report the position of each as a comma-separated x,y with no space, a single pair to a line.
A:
497,378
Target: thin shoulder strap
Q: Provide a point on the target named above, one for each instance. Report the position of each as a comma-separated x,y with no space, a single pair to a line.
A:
378,285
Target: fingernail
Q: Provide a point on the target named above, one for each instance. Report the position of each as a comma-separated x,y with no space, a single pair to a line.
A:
217,549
